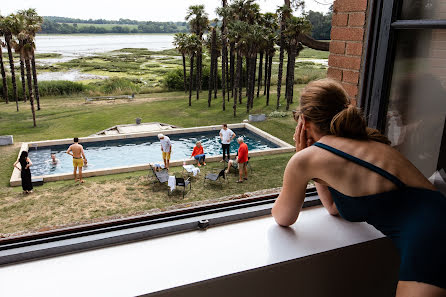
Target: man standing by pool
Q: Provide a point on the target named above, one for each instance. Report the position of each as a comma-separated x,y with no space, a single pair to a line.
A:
226,136
166,149
77,152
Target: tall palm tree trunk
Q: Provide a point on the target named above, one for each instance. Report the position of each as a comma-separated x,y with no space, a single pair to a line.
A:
4,81
211,79
247,76
239,77
259,82
290,81
266,73
11,65
236,83
36,85
30,88
199,68
224,58
216,75
268,83
191,78
251,82
22,72
253,79
184,73
228,87
280,73
287,76
232,66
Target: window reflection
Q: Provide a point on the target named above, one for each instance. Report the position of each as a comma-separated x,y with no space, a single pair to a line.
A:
423,9
417,104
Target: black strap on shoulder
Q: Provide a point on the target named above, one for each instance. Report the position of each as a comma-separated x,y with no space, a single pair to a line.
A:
363,163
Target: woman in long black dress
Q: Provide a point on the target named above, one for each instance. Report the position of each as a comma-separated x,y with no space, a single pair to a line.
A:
25,172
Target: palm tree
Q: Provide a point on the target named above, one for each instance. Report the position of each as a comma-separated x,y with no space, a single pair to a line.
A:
198,22
295,27
224,45
284,13
33,25
6,26
193,42
17,27
27,52
212,46
180,41
2,67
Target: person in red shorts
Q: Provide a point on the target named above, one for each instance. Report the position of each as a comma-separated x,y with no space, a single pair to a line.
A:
242,159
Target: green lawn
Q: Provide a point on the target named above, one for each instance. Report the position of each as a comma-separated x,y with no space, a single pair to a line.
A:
101,198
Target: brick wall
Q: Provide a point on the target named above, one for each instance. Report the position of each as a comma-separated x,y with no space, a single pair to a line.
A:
347,44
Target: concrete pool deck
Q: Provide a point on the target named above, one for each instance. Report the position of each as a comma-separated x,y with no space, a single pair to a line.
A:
15,180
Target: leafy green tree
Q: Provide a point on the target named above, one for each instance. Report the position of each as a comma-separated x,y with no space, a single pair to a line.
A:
321,24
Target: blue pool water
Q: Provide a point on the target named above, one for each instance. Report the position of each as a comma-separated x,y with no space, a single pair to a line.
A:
137,151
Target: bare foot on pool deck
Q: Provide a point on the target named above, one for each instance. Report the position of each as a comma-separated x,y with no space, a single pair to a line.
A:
81,181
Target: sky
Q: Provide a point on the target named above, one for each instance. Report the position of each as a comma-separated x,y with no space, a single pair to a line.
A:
141,10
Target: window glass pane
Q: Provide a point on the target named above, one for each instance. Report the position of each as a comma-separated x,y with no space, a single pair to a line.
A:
423,9
417,103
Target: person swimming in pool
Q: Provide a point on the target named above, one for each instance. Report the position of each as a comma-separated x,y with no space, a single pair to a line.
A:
76,150
359,176
54,160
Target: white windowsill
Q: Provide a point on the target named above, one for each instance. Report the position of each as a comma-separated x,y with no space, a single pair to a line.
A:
175,260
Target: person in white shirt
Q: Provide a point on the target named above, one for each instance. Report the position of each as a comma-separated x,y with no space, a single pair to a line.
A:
226,136
166,149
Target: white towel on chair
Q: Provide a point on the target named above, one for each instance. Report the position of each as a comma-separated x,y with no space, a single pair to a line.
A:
172,182
195,171
192,169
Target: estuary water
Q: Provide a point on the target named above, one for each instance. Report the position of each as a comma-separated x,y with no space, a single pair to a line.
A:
75,45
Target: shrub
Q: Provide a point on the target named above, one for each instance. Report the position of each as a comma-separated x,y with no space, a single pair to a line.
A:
173,80
117,85
46,88
60,87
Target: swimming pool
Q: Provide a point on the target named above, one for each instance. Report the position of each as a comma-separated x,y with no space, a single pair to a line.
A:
131,152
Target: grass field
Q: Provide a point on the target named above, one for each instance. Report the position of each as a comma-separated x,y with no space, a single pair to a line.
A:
101,198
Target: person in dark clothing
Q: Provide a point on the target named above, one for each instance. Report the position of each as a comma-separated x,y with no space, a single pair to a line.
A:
25,172
360,177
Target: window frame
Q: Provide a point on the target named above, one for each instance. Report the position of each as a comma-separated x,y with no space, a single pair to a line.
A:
380,52
98,235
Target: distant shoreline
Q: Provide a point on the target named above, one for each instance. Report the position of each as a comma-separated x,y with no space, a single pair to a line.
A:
80,34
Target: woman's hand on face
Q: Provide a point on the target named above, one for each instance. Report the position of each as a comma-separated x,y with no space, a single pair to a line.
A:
300,136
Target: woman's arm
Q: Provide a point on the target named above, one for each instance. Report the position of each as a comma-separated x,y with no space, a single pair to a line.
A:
289,203
326,199
28,160
15,165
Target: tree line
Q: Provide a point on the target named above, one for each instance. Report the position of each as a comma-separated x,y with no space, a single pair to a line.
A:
19,32
245,38
59,25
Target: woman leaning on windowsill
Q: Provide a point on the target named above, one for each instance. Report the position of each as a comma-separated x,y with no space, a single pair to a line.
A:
359,176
